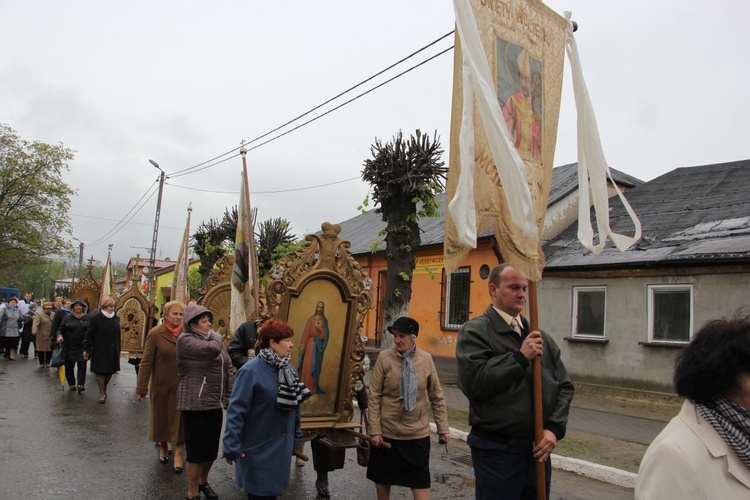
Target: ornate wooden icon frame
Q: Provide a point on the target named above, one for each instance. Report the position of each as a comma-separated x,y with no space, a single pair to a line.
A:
324,270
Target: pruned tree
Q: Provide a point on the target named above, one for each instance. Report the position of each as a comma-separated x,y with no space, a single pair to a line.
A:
405,176
34,202
274,240
214,239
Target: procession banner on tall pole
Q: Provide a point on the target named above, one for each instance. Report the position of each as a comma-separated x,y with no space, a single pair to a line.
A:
509,67
244,277
106,289
180,288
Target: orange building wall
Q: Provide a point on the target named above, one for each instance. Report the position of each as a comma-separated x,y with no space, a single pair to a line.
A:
425,305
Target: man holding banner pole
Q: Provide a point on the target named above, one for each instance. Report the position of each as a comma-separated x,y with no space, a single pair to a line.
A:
494,354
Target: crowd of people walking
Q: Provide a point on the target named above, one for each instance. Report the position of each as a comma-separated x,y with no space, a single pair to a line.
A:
192,379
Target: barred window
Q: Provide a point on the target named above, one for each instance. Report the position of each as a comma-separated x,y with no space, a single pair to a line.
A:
456,297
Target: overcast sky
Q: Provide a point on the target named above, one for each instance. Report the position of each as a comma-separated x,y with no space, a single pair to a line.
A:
182,82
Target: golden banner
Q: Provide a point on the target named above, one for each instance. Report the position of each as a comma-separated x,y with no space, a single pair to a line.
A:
524,43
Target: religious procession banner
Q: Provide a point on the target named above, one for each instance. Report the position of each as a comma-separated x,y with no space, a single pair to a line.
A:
242,303
508,67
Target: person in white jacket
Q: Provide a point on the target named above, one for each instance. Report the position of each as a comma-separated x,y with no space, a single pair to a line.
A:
704,452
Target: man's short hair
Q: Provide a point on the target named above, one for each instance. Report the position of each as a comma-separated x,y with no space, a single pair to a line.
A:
494,278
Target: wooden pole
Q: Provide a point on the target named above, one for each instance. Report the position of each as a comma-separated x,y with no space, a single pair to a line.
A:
536,372
252,253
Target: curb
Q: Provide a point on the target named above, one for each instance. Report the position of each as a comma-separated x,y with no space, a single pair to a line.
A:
591,470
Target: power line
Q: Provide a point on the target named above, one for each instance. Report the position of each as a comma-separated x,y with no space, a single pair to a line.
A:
122,221
131,223
265,192
345,103
352,99
195,168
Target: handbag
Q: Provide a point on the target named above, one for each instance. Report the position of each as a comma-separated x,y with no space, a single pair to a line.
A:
363,445
58,358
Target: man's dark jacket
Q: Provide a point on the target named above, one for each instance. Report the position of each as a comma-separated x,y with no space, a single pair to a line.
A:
243,340
497,380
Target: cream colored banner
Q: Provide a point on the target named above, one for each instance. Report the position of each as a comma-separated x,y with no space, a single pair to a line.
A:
523,42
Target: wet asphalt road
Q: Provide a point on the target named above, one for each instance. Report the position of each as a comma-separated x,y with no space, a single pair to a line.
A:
61,444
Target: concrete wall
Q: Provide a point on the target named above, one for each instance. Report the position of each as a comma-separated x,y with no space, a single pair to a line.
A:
623,361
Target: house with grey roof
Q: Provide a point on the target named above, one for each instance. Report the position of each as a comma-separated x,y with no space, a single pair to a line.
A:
621,318
442,303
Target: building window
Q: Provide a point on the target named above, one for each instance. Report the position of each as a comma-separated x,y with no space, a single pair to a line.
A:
670,313
589,311
456,298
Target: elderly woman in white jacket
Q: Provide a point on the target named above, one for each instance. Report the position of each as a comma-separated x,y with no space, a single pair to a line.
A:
704,452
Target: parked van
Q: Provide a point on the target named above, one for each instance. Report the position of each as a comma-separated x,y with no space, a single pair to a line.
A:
6,293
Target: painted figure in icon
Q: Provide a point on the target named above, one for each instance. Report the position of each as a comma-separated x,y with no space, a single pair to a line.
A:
520,116
314,343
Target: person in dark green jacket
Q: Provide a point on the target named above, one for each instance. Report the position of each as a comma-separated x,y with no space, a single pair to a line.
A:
494,354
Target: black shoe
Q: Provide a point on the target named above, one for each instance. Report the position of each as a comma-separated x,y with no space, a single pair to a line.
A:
177,470
205,488
322,489
163,459
81,388
72,388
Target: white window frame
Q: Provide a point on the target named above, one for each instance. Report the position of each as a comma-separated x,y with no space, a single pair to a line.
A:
448,282
687,287
574,326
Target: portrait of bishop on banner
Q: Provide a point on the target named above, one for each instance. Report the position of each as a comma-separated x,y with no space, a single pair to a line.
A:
508,67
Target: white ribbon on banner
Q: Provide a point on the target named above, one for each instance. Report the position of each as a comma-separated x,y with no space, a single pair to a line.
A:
477,80
593,165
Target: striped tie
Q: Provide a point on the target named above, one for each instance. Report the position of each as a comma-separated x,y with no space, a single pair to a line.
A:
516,327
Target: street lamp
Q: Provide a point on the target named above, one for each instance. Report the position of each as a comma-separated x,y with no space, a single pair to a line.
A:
156,226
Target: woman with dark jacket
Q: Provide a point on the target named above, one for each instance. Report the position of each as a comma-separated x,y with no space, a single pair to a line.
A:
157,376
203,391
102,345
27,334
71,332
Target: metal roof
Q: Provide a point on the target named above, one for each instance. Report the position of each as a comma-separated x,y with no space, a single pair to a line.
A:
364,230
690,215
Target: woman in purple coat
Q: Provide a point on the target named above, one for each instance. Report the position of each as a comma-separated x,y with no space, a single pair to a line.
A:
202,393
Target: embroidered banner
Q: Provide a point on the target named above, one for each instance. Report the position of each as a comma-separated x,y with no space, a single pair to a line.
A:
508,66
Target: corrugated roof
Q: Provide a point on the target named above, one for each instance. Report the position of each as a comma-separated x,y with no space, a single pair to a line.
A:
363,230
691,214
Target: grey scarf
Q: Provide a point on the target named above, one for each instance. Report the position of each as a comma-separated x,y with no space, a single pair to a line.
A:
407,387
732,422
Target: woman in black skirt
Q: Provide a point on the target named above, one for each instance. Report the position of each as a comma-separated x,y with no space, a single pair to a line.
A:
203,391
398,414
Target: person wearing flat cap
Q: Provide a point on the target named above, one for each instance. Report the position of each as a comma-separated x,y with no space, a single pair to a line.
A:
401,378
71,332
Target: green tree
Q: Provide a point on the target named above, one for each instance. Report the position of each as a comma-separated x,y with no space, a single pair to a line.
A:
214,239
274,240
34,202
405,176
195,282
